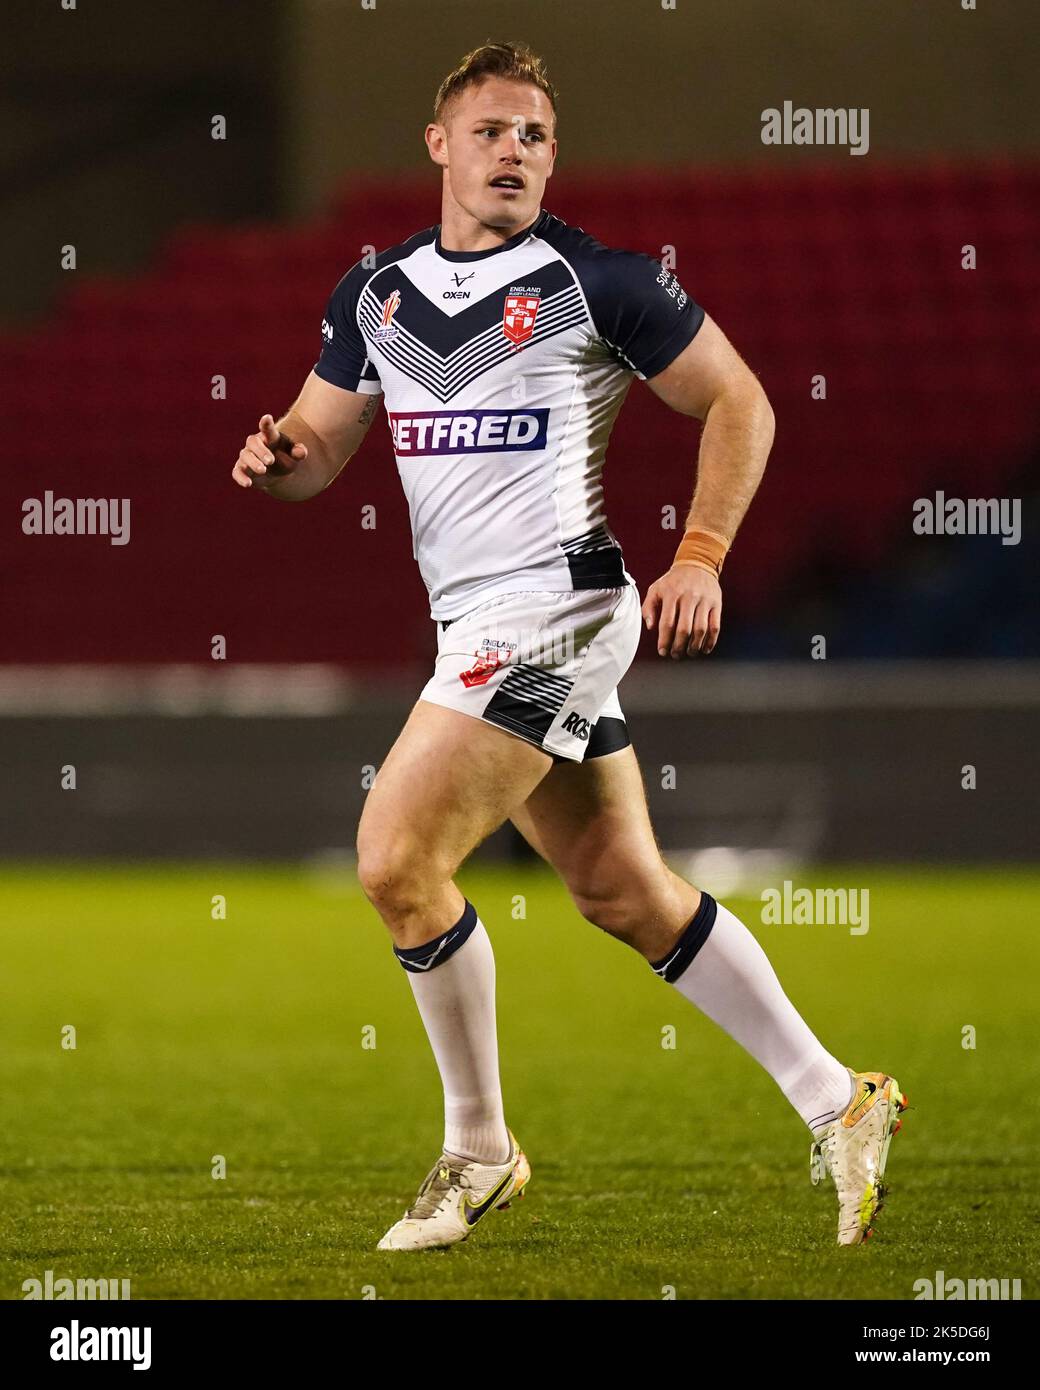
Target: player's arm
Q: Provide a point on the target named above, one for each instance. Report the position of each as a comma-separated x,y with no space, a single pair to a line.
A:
654,328
298,456
710,381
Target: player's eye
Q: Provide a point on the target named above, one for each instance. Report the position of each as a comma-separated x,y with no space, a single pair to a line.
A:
530,137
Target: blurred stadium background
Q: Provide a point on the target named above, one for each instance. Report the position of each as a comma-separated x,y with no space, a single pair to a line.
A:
198,258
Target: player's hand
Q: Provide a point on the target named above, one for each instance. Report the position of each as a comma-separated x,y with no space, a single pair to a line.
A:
686,604
267,457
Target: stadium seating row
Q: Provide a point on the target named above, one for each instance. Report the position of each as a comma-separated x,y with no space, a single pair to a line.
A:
931,373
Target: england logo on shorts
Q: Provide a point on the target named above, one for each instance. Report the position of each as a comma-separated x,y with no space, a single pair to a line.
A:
519,316
493,654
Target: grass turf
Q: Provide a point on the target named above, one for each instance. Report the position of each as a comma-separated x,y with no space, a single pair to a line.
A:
654,1168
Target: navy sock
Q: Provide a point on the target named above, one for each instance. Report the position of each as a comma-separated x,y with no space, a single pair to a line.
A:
693,938
419,959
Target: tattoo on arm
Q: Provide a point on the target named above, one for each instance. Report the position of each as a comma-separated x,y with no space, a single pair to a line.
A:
368,410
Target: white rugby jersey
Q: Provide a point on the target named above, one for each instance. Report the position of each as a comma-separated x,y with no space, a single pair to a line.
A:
502,373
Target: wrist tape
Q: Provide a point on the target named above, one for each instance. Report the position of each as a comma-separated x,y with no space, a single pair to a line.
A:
704,549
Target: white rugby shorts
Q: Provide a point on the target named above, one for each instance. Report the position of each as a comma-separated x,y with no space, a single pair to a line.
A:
543,666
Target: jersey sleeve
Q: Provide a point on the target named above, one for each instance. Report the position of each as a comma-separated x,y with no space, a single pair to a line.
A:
344,357
641,311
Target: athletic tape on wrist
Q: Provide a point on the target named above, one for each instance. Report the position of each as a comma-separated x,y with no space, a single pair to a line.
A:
705,550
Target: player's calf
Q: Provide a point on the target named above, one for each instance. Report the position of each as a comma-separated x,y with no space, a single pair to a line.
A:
646,909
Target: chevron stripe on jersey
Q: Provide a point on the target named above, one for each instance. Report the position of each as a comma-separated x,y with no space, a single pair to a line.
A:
448,325
447,376
500,433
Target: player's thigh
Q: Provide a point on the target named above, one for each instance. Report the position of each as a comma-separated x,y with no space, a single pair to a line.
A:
591,822
448,781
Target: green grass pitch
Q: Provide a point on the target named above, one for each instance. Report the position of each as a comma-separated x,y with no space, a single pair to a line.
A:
653,1168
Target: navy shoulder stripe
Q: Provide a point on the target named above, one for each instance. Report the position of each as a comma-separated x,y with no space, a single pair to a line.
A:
639,309
344,357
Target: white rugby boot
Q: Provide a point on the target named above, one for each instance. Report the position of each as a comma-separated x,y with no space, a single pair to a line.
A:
854,1150
457,1193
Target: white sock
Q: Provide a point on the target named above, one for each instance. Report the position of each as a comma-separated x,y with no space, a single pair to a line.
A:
730,979
456,1000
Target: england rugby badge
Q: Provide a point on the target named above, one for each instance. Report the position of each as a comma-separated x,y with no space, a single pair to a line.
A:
519,315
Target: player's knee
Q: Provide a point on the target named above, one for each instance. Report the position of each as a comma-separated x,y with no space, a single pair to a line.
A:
382,872
396,876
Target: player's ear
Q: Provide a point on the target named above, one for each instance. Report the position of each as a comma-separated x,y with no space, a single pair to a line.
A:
437,143
552,159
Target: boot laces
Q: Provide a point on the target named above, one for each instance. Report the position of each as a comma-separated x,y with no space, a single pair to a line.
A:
436,1188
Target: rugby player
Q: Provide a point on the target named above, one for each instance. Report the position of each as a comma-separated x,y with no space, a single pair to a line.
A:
502,343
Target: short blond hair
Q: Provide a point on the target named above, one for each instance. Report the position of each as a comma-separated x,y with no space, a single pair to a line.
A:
513,61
